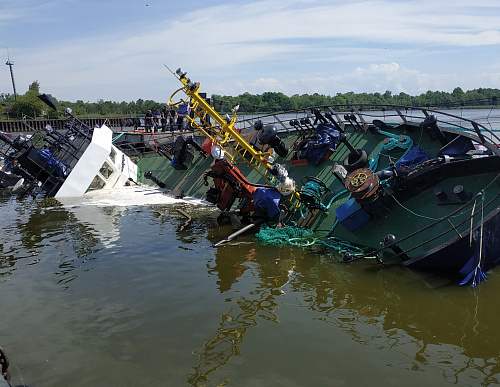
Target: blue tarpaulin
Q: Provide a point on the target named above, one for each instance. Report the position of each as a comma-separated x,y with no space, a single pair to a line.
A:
472,270
267,199
411,159
61,169
327,140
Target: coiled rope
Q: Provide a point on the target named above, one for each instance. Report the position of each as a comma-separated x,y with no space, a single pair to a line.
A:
392,144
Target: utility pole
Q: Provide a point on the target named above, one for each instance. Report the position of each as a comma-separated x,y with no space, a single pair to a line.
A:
10,64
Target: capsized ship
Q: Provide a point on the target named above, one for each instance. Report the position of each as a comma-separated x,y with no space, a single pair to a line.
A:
397,183
63,164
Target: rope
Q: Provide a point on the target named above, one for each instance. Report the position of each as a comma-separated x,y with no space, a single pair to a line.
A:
392,144
341,246
412,212
302,213
420,215
479,264
327,207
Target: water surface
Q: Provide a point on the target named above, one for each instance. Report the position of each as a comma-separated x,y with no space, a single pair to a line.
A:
96,293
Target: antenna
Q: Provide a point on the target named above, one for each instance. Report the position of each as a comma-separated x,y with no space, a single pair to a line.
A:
10,64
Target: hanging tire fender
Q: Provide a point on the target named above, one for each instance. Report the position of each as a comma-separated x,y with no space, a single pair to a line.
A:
355,160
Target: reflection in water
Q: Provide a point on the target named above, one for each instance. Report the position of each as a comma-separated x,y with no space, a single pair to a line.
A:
71,234
415,315
193,221
427,329
229,270
51,223
224,343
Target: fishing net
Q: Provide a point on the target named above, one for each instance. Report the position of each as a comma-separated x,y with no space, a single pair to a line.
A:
283,236
303,237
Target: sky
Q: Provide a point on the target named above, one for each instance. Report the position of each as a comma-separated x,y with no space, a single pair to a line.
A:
117,50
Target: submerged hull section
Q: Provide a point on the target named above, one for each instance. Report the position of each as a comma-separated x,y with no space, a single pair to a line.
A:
468,254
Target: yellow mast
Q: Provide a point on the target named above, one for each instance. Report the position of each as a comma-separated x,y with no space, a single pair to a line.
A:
222,128
221,132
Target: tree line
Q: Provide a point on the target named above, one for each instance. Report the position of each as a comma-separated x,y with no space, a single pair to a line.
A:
29,105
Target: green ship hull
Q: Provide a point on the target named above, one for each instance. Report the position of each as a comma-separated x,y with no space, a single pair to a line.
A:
359,193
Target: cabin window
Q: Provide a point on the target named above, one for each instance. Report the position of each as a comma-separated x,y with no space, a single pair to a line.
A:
97,183
112,155
106,170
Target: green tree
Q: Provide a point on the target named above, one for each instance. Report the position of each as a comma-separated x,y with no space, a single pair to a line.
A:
458,94
35,86
29,104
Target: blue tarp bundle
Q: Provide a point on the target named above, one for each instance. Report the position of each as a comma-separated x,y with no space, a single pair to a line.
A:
61,169
327,140
472,270
267,199
411,159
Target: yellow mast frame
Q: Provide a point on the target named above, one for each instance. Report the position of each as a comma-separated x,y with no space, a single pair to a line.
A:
222,132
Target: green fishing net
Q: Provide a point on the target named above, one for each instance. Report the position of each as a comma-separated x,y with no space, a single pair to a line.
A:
283,236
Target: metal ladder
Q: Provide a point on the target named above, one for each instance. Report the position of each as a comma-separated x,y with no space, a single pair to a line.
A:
220,131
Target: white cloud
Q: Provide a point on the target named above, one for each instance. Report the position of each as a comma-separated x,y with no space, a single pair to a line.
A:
293,47
268,84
